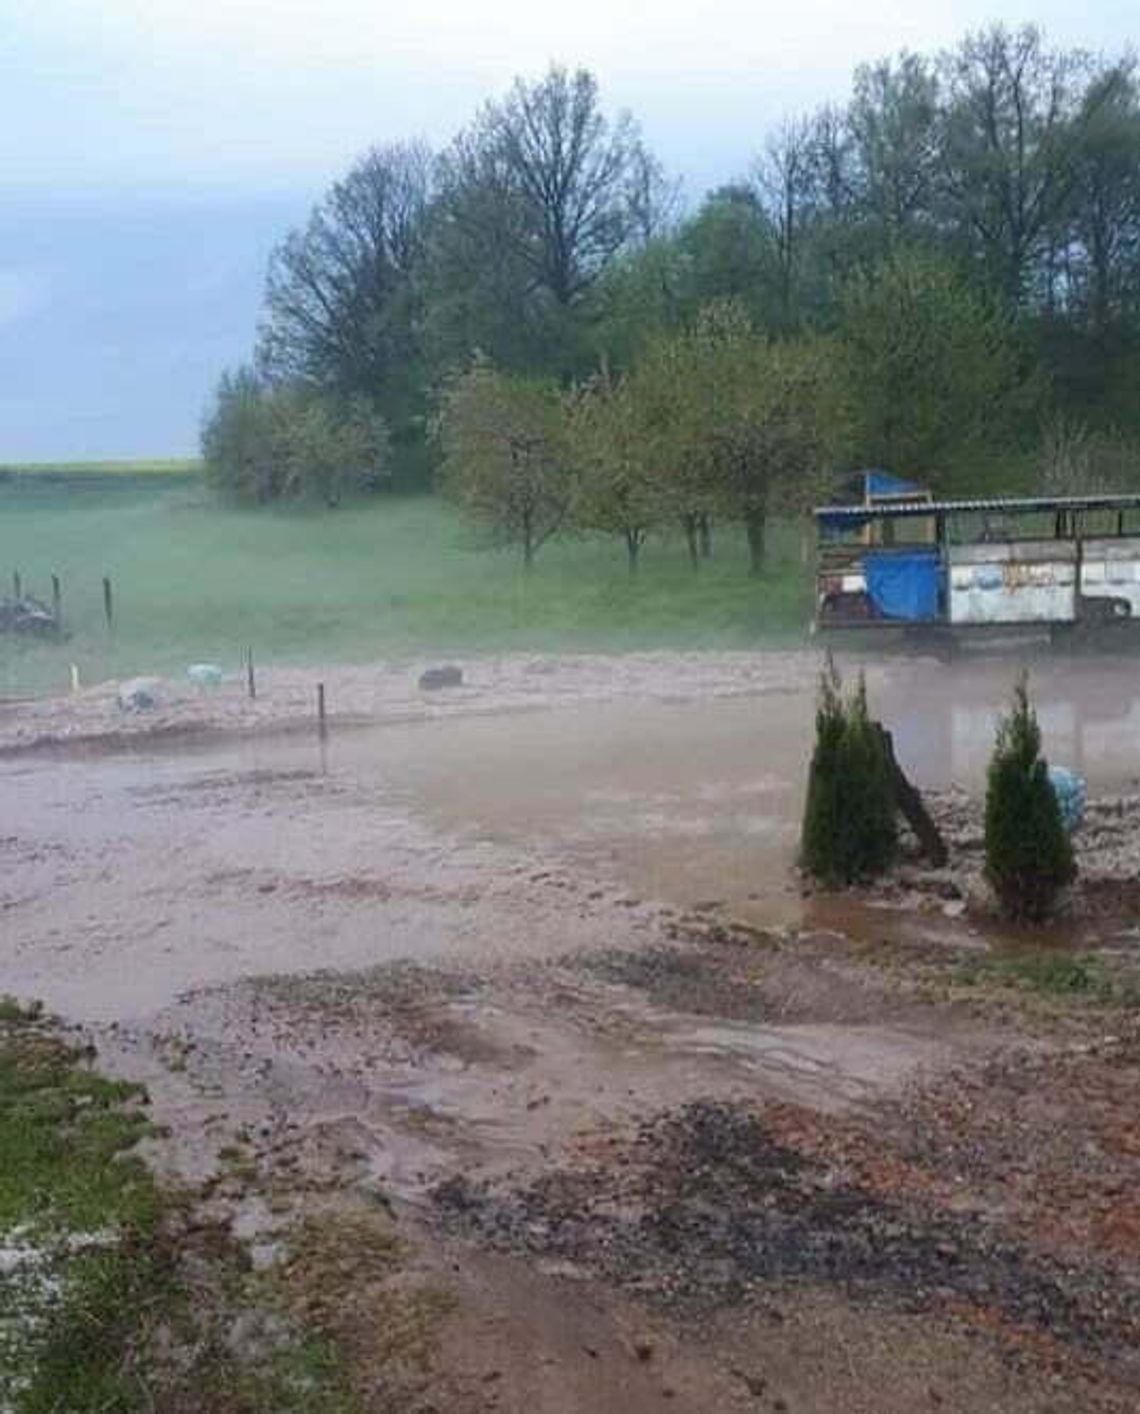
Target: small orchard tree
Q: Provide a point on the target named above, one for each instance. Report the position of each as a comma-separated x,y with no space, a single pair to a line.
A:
751,426
850,831
667,394
265,441
618,492
505,457
1028,854
776,428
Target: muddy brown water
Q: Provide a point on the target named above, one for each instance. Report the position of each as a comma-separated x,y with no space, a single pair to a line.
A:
131,876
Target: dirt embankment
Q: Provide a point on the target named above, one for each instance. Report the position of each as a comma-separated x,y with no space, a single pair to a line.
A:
287,697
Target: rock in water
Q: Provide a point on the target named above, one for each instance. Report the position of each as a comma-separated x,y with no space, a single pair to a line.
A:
139,694
448,676
204,674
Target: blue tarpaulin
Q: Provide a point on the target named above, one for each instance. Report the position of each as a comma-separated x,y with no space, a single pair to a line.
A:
903,584
867,485
882,483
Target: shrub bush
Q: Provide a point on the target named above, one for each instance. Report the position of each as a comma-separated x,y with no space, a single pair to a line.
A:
849,829
1028,854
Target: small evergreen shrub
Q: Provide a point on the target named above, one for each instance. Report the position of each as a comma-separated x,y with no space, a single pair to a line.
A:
849,829
1028,854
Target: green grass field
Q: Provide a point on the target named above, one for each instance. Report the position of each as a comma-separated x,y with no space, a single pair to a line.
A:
386,577
162,466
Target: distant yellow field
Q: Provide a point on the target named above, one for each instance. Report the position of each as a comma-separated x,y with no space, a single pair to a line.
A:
168,466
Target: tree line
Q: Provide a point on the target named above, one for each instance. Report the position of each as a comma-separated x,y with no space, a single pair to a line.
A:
940,276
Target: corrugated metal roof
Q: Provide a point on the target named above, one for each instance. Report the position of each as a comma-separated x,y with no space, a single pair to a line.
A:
1009,504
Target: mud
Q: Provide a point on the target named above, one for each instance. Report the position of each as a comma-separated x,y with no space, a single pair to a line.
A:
707,1208
527,966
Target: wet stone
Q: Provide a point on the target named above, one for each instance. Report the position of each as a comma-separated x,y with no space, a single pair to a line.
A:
432,679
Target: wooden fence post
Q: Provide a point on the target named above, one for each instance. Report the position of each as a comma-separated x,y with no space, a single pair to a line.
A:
108,602
910,803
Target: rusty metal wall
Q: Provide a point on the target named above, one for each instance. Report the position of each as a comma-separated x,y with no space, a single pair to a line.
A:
1013,583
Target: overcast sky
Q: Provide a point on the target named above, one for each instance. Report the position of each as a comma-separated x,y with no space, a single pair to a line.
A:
151,151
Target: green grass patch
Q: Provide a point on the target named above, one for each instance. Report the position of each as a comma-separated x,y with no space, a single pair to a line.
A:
63,1133
113,1304
385,577
161,466
83,1212
1057,974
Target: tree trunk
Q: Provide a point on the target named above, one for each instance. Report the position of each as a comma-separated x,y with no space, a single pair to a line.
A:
755,523
910,803
690,524
704,525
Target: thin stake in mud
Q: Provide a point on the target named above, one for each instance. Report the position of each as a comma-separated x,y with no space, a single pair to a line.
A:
108,604
251,681
17,586
57,602
322,724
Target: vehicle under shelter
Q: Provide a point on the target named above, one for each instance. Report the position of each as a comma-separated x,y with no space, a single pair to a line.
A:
899,558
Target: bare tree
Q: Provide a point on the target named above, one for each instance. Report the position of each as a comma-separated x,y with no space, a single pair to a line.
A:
893,124
785,178
542,192
1008,146
1104,253
341,293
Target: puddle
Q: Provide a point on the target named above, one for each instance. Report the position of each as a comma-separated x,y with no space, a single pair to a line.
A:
167,865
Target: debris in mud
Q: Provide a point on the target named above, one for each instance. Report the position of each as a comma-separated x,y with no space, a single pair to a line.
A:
683,980
404,1007
205,674
432,679
708,1208
139,694
1051,1138
27,617
1106,845
709,970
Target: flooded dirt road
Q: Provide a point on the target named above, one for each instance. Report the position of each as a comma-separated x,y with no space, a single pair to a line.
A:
136,872
488,960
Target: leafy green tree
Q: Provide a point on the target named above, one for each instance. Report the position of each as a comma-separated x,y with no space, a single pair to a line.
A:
728,250
618,492
264,442
668,396
505,457
1028,854
850,831
770,420
732,424
938,380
